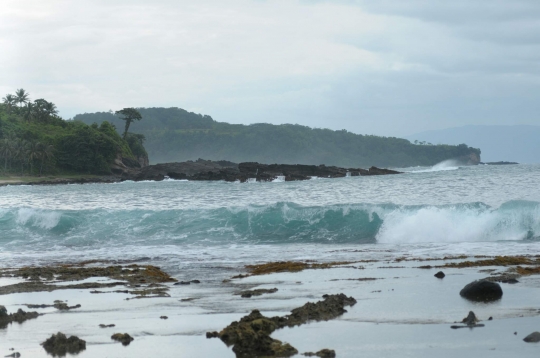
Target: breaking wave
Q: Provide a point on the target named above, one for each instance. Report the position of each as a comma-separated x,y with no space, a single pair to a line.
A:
279,223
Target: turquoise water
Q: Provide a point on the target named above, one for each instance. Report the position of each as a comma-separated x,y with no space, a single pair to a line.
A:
425,207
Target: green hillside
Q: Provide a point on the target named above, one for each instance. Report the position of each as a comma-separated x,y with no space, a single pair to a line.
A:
173,134
34,141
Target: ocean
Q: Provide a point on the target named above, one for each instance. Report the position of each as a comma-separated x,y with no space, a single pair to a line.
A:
209,230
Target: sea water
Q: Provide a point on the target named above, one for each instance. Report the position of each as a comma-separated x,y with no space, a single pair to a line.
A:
210,230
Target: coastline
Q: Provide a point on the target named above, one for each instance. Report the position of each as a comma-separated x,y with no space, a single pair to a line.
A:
401,308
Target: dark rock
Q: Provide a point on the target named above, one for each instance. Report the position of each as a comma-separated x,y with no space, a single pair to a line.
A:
323,353
106,325
14,355
482,290
532,338
59,344
257,292
182,283
212,334
471,319
164,317
490,319
250,337
123,338
440,274
195,281
20,316
62,306
228,171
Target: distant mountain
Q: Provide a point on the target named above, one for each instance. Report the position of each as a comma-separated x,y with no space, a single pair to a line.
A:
519,143
174,135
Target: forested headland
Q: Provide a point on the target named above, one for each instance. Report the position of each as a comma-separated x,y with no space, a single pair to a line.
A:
174,135
35,141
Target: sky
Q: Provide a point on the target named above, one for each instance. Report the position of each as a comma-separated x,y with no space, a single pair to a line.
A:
390,68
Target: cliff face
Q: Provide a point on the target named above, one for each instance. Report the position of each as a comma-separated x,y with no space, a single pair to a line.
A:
470,159
122,165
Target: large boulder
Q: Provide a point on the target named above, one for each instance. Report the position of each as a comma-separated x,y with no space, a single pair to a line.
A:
532,338
482,291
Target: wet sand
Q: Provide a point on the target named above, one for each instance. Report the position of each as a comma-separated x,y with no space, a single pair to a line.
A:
401,311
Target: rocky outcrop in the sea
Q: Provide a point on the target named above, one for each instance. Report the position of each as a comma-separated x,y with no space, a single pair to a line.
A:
250,337
123,338
20,316
482,290
59,345
228,171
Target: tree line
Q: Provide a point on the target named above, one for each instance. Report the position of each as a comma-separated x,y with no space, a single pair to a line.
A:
35,140
173,134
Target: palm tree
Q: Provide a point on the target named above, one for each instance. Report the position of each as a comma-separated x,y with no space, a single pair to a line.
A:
46,153
6,150
21,96
51,109
9,101
20,152
33,152
29,111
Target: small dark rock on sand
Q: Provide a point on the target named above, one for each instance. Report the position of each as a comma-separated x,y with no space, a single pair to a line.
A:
439,274
470,321
482,290
59,344
14,355
532,338
123,338
323,353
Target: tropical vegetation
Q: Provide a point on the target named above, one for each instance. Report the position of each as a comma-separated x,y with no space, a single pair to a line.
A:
34,140
173,134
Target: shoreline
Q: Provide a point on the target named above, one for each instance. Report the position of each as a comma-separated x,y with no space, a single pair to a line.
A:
397,298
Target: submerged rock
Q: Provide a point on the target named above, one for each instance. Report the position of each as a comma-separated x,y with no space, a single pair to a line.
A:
250,337
323,353
20,316
106,325
257,292
58,344
532,338
123,338
482,290
439,274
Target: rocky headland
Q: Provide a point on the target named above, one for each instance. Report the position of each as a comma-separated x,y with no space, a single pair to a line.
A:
228,171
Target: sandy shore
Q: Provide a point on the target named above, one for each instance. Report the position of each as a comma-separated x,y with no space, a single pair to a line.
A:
401,310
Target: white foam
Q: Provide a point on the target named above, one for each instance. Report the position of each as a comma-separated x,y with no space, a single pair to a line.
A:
43,219
279,179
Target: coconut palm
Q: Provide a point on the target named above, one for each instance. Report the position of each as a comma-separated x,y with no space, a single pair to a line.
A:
6,150
46,153
9,100
33,152
29,111
21,96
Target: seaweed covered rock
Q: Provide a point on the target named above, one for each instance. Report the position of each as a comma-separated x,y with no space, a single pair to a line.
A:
59,345
250,337
20,316
323,353
482,290
331,307
123,338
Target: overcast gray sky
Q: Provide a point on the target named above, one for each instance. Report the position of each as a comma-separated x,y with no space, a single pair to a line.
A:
374,67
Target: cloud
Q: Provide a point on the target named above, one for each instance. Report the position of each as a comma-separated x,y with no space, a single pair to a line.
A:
386,67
